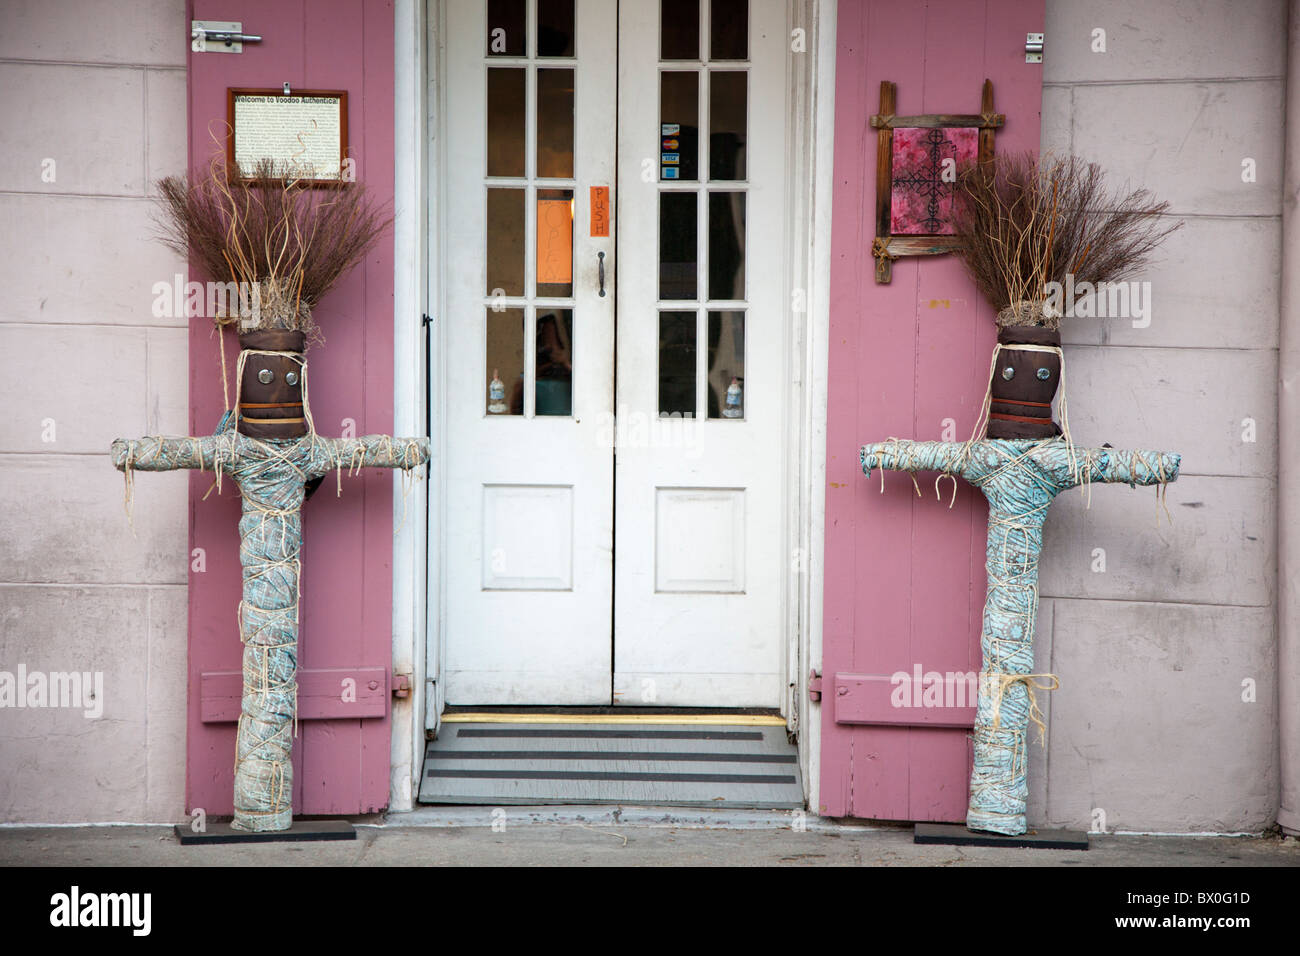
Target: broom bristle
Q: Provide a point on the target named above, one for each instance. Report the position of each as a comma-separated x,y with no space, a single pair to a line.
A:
1025,222
291,238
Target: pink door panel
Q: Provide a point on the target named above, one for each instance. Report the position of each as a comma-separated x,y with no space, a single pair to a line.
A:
340,765
905,575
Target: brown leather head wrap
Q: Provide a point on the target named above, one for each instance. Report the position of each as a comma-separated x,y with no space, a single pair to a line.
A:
1024,383
270,398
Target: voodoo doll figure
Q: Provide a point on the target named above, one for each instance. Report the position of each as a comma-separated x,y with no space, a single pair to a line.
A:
1026,224
269,447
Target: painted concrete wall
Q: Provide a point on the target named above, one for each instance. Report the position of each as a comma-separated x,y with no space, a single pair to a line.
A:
1150,726
101,113
1288,428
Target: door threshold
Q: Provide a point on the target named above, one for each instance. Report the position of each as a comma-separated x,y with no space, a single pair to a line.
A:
736,717
599,709
550,717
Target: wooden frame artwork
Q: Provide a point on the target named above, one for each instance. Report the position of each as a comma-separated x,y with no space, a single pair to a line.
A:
303,130
909,206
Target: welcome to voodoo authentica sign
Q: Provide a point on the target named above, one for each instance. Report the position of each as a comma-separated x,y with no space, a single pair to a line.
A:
917,161
305,131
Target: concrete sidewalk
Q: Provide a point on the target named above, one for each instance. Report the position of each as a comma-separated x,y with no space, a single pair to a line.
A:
616,836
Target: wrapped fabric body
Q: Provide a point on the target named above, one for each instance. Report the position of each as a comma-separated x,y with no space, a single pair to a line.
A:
270,541
1019,479
271,475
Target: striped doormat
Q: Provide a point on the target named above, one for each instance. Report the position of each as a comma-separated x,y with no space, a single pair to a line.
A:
715,761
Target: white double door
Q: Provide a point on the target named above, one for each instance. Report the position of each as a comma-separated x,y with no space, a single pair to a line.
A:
613,505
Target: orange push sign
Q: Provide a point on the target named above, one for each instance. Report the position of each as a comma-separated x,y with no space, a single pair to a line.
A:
599,212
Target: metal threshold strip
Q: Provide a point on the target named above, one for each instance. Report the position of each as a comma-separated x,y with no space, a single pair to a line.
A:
717,760
729,720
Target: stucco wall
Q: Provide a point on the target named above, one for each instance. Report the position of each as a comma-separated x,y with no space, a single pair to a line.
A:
1150,726
93,111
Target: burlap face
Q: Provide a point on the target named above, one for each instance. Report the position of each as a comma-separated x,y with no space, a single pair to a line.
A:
272,409
1021,406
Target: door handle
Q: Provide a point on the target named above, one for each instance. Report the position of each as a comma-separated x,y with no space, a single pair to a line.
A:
600,256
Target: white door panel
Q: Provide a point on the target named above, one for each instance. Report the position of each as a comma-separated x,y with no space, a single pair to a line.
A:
576,575
530,495
699,568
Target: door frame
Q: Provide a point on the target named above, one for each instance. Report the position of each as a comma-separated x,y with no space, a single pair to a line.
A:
419,550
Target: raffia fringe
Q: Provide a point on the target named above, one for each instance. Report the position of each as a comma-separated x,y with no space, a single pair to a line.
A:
1029,312
1032,683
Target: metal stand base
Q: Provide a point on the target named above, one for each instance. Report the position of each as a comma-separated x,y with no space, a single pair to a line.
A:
301,831
957,835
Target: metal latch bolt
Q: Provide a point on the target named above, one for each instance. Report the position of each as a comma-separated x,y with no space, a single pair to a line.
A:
219,36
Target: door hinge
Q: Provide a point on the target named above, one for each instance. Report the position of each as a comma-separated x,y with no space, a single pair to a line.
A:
402,686
1033,48
426,321
814,685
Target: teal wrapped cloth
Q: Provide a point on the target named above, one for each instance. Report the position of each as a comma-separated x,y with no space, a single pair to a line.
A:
1019,478
271,475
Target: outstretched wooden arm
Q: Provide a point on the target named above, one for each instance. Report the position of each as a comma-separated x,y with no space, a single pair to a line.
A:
900,454
1122,466
170,454
368,451
1049,463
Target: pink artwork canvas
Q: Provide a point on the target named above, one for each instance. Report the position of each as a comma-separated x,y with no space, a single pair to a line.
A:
925,162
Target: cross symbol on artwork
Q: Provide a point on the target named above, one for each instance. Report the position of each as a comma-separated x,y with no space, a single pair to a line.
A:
926,179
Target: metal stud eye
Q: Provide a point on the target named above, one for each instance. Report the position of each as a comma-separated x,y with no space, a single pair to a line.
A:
266,376
1008,373
1044,374
291,378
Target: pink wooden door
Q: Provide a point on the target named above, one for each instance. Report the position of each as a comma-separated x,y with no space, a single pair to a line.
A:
341,765
905,575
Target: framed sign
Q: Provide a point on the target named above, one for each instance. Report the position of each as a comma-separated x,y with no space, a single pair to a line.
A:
917,159
303,132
